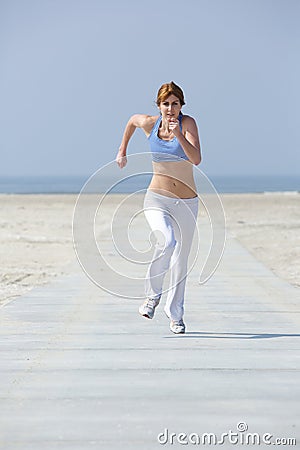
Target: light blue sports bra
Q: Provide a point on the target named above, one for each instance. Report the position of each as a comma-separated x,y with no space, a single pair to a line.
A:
163,150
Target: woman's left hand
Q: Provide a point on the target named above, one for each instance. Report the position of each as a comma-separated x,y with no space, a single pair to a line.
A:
174,126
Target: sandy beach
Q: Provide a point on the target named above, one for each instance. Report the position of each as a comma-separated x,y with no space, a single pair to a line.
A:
36,235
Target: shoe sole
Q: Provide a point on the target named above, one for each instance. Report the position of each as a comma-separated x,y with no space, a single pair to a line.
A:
178,332
146,315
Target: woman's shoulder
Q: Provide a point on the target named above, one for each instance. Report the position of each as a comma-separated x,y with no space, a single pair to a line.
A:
150,120
188,122
144,120
188,119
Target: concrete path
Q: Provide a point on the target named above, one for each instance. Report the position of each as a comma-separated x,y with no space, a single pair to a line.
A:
81,369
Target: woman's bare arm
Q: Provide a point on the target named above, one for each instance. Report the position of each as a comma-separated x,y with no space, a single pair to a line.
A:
136,121
189,139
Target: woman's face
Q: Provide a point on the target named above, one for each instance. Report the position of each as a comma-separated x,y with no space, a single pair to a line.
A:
170,107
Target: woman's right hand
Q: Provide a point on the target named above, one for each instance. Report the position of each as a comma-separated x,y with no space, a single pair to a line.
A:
121,159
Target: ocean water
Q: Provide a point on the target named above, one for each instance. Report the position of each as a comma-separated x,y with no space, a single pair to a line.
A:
74,184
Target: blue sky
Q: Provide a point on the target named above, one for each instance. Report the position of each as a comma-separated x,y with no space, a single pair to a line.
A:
74,71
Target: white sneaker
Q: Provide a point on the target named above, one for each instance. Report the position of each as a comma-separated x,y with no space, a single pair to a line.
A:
177,327
147,309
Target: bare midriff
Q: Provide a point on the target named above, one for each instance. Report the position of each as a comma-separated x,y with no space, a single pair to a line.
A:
173,179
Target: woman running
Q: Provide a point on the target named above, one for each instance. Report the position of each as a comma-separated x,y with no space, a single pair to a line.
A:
171,201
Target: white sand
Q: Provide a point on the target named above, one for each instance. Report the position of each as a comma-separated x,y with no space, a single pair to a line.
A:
36,241
268,225
36,235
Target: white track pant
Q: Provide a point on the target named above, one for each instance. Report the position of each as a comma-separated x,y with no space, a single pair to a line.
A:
173,221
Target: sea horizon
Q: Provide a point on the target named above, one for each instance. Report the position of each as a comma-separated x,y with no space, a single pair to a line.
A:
60,184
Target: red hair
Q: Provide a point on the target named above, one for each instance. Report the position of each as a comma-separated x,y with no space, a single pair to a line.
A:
168,89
